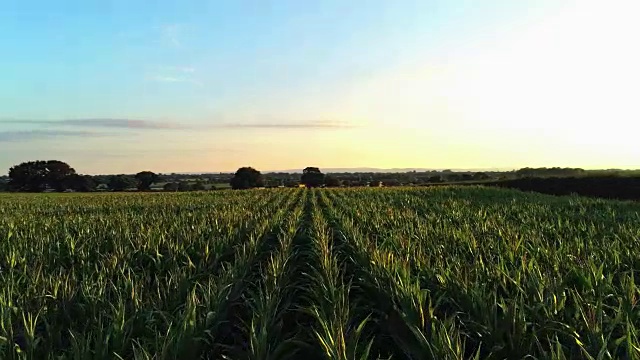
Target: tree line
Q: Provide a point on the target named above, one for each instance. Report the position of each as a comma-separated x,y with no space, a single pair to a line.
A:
609,187
54,175
58,176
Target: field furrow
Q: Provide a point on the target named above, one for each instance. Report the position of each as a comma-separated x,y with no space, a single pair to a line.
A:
340,321
406,326
234,333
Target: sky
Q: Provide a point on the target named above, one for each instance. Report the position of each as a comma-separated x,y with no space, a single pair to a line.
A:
121,86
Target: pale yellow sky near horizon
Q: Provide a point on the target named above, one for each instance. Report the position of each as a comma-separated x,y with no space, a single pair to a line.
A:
562,90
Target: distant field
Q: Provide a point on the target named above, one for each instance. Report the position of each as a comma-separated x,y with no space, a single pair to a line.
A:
160,186
402,273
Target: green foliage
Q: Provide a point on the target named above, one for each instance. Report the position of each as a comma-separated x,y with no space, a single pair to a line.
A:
331,181
430,273
37,176
246,178
184,186
312,177
80,183
145,179
611,187
198,186
121,182
170,186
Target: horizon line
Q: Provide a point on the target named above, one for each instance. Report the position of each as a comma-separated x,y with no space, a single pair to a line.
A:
373,170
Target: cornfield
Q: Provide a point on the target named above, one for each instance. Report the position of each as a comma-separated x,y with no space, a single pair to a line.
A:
440,273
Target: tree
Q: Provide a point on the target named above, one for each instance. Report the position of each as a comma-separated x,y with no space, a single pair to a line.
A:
121,182
454,177
480,176
80,183
145,179
198,186
312,177
37,176
246,178
184,186
331,181
391,182
170,186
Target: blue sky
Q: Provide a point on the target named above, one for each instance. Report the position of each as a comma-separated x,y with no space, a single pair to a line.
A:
123,86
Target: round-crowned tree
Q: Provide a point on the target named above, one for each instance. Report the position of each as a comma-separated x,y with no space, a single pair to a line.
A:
145,179
312,177
36,176
246,178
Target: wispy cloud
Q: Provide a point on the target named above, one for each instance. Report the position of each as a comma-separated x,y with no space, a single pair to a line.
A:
15,136
130,124
291,125
175,79
104,123
174,74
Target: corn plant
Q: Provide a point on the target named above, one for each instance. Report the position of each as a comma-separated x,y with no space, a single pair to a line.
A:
401,273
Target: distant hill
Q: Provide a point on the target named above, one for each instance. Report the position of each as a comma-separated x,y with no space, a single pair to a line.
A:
355,170
379,170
